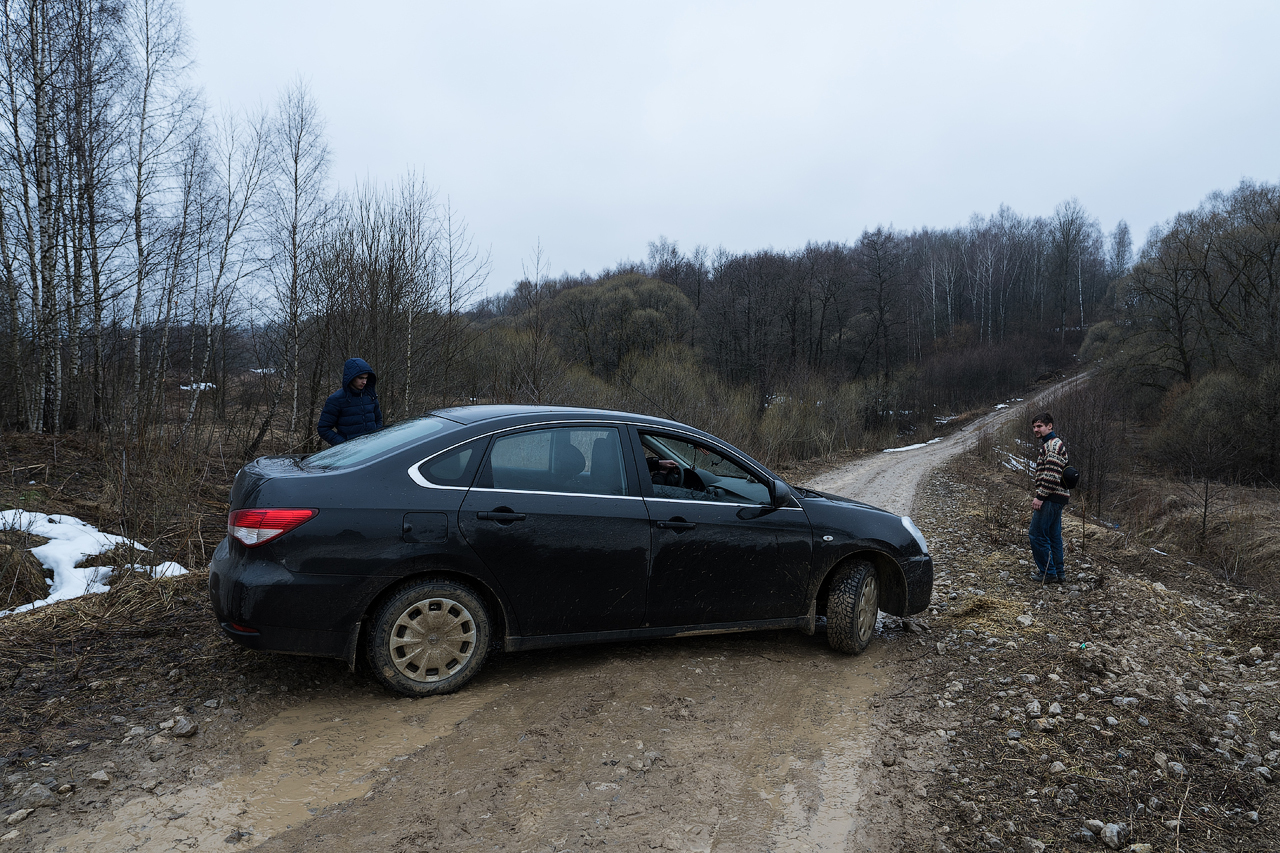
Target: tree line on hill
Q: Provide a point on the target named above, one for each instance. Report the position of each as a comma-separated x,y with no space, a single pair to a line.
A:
1191,336
801,352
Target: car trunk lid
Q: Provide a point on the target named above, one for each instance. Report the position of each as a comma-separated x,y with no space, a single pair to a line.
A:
252,476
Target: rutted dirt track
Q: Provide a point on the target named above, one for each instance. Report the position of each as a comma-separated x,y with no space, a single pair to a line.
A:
751,742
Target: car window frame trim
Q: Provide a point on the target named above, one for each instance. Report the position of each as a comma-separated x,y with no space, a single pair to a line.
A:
620,426
722,503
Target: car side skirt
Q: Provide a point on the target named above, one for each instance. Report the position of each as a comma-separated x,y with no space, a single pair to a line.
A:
520,644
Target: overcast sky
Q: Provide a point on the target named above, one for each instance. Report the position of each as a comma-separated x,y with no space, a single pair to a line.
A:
594,128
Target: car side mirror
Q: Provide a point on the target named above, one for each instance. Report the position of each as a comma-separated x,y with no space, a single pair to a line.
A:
781,494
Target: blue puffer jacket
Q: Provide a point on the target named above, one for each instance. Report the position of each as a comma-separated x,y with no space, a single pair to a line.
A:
349,413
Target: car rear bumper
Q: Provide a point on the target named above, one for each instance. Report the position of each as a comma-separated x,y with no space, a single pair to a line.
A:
263,606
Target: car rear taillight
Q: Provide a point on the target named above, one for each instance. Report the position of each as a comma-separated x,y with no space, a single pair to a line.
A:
255,527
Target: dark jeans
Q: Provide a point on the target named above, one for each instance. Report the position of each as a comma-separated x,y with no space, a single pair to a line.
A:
1046,539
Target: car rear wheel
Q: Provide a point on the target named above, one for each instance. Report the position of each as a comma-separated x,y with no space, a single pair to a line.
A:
852,606
431,637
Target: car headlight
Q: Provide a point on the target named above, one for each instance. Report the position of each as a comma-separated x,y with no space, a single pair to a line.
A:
916,535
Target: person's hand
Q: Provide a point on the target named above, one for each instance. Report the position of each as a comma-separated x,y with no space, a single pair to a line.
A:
1036,503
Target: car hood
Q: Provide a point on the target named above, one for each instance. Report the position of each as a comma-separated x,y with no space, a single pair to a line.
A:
813,494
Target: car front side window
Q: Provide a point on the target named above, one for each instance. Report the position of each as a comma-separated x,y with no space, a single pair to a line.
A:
684,470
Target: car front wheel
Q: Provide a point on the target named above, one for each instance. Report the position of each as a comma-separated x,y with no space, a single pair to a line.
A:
429,638
852,606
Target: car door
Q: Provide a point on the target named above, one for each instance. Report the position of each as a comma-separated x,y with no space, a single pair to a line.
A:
555,514
721,551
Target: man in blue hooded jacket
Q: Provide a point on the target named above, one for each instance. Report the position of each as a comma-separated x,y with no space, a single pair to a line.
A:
353,409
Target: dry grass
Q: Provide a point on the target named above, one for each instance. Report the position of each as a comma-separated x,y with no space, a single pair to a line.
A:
122,555
134,600
171,502
986,613
1263,631
22,578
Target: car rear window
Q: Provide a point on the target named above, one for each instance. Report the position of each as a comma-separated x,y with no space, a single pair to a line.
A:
365,447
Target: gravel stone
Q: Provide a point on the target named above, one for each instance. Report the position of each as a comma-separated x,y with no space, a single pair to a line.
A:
35,796
1113,834
184,727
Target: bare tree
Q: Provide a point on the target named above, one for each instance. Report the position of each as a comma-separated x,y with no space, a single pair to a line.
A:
300,211
1072,234
228,251
160,112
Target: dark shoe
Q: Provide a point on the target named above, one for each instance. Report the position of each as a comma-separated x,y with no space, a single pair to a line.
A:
1037,577
1055,579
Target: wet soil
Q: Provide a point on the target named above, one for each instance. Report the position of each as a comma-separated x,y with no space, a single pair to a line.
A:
943,736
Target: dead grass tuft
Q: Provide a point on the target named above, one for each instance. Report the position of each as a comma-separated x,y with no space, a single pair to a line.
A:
122,555
1261,631
22,578
986,613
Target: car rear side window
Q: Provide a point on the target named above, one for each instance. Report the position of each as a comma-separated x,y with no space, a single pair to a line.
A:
582,460
456,467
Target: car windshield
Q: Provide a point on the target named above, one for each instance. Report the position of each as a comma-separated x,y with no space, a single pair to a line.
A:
367,446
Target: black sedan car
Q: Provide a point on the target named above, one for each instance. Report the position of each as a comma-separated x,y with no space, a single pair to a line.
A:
427,544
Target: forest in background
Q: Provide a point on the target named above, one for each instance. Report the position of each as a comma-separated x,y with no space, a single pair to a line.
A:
180,283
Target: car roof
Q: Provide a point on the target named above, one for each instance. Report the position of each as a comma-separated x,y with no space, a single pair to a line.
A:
479,414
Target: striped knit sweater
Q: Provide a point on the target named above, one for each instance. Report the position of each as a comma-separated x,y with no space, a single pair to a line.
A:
1053,458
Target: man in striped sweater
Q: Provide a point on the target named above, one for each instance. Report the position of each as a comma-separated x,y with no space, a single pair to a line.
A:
1048,502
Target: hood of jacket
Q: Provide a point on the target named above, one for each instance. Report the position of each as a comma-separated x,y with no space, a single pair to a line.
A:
353,368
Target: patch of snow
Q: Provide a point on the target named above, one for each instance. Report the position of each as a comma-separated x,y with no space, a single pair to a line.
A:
912,446
1016,463
1002,405
1161,553
262,370
198,386
167,569
70,541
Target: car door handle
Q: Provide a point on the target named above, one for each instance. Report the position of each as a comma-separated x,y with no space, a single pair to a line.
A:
675,525
500,516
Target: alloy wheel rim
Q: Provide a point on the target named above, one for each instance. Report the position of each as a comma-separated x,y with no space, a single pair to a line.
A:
432,639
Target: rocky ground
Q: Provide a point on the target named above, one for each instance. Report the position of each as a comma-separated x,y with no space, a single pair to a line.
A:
1137,705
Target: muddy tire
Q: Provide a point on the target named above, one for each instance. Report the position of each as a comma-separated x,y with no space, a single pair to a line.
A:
852,607
429,638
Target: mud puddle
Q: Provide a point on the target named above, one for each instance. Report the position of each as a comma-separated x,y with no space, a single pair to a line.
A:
314,755
818,799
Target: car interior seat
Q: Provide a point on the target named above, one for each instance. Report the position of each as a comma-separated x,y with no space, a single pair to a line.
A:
606,466
568,463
